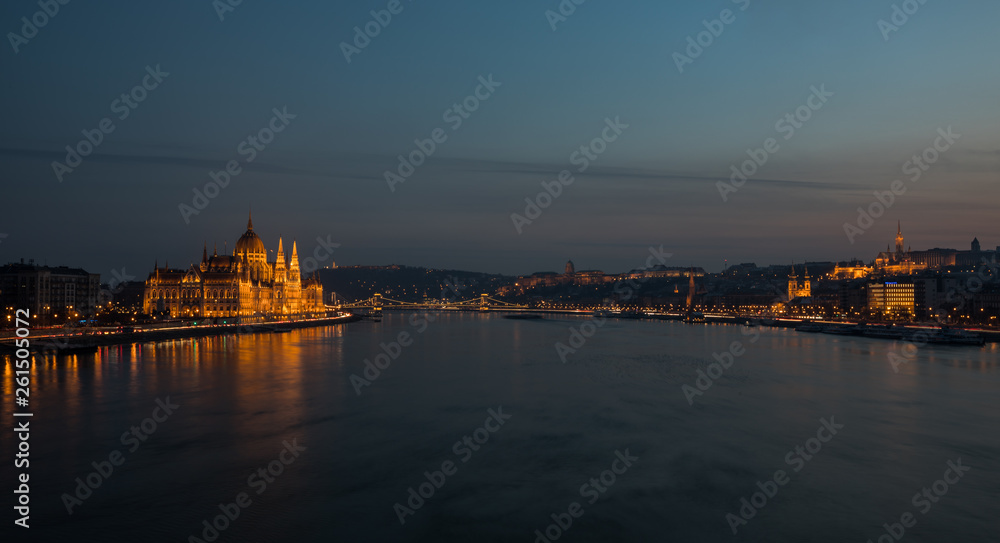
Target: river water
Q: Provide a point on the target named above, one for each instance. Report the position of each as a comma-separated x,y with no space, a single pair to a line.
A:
542,432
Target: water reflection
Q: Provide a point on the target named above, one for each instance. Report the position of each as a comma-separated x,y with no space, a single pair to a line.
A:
240,397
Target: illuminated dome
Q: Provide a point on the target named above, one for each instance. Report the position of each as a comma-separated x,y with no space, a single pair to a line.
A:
250,242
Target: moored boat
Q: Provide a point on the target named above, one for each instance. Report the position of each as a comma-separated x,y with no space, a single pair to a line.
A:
948,336
883,332
841,329
695,317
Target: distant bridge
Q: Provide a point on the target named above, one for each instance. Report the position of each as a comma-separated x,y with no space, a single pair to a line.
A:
483,303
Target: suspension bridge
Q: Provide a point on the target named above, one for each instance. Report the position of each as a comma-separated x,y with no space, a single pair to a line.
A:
484,302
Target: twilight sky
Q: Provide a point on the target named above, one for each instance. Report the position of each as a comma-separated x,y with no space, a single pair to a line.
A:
323,174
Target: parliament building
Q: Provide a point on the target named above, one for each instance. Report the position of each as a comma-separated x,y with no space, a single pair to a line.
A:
243,284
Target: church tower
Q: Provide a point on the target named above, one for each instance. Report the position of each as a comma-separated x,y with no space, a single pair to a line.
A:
899,238
806,290
279,264
293,267
294,287
798,289
793,283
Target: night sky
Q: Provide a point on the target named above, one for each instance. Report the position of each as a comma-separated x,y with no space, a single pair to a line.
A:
656,184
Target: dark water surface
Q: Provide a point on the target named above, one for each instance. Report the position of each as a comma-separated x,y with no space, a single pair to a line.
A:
240,399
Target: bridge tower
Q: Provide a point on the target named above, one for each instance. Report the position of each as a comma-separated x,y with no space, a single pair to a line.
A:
484,304
377,303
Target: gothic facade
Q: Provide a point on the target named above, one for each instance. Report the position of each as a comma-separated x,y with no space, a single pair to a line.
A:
244,284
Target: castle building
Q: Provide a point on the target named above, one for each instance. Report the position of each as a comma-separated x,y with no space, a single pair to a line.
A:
900,261
243,284
796,288
906,262
854,269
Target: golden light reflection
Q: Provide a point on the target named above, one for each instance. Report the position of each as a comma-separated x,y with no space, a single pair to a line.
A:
266,383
